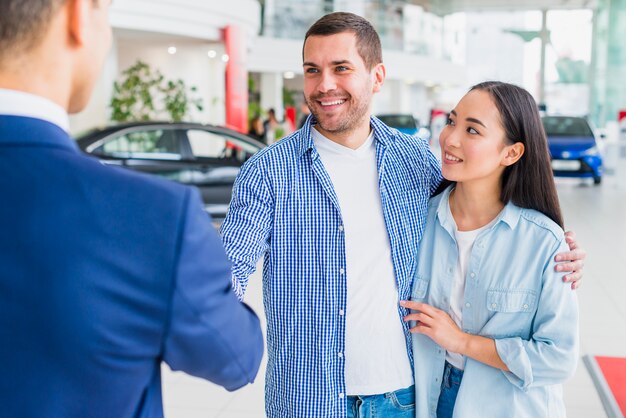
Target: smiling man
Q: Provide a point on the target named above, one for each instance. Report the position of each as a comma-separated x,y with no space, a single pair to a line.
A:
337,209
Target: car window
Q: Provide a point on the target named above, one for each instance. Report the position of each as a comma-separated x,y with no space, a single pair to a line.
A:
161,144
566,126
399,121
205,144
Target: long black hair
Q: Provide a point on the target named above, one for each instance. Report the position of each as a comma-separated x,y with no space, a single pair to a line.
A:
529,182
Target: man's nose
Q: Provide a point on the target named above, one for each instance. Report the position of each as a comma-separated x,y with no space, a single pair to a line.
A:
327,82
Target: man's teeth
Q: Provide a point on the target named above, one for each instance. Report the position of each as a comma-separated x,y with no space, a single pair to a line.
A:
452,158
334,102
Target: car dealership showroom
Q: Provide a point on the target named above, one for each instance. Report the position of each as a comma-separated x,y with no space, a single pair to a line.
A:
226,99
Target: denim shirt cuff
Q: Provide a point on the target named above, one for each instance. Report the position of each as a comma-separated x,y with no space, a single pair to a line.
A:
512,353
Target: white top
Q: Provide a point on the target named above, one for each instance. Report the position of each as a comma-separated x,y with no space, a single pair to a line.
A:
376,359
465,242
18,103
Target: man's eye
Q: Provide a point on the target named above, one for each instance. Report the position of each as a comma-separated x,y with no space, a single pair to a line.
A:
342,68
311,70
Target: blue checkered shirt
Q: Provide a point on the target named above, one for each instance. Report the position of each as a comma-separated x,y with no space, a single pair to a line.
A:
284,208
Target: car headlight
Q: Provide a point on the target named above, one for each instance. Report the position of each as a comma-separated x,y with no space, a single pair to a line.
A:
593,151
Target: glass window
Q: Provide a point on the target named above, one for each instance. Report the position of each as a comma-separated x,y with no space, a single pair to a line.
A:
566,126
399,121
205,144
155,144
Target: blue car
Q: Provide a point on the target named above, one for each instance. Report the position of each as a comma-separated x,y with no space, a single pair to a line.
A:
573,147
405,123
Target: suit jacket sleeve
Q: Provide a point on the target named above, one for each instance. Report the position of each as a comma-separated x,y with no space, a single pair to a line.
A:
211,334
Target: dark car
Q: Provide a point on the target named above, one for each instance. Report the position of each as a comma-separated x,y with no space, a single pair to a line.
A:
205,156
573,147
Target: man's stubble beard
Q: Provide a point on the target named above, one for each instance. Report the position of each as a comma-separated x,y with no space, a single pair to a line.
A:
349,122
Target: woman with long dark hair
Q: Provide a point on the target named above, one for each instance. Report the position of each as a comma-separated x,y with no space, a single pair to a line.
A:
495,332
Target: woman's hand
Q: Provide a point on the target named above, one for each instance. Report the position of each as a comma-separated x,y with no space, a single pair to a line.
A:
438,325
435,324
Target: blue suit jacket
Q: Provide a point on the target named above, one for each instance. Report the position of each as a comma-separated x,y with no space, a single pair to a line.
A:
104,273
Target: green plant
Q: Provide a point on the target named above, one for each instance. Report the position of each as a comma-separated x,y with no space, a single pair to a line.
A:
133,97
177,101
254,109
288,99
145,94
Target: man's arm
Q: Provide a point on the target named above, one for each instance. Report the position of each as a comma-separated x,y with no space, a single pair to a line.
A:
211,334
572,261
246,229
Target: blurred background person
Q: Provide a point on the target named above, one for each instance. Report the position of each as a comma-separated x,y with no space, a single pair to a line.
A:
305,112
256,129
270,126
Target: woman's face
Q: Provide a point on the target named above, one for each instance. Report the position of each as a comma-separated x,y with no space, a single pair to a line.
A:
473,141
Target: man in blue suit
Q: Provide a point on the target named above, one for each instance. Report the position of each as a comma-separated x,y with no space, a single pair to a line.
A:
104,273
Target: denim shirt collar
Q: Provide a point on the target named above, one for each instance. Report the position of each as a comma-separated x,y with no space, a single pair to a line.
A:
382,134
509,215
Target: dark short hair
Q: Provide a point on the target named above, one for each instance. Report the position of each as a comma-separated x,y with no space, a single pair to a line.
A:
529,183
23,23
367,40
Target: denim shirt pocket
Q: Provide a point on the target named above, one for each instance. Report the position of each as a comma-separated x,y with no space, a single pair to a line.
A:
510,313
511,301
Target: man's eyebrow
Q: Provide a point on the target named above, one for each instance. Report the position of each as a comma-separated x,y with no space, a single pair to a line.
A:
338,62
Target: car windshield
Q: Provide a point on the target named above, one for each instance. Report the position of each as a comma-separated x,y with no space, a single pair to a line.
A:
398,121
566,126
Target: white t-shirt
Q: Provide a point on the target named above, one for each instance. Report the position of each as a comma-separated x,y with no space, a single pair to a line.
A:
465,242
376,359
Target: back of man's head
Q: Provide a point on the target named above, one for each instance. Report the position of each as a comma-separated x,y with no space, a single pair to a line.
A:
23,24
54,48
367,40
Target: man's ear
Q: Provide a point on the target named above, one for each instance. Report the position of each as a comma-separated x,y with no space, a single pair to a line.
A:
513,154
76,20
380,72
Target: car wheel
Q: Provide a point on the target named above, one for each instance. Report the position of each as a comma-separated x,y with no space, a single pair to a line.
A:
597,180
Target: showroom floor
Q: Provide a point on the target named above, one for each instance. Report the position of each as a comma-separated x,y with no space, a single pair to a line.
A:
596,214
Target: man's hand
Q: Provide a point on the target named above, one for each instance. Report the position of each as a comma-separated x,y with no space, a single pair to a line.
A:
572,261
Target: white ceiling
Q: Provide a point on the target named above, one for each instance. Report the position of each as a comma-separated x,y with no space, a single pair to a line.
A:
443,7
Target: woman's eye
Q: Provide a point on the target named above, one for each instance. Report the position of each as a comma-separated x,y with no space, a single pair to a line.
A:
449,122
472,131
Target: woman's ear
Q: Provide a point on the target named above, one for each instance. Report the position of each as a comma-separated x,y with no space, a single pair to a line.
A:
513,154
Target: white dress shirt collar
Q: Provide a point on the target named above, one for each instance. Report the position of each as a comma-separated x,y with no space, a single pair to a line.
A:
19,103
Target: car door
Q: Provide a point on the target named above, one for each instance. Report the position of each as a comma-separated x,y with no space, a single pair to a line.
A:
219,156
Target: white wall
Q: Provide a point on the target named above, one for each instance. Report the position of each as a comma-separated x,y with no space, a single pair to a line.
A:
191,63
143,29
190,18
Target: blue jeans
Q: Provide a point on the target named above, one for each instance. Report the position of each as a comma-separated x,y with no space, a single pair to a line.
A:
400,403
449,389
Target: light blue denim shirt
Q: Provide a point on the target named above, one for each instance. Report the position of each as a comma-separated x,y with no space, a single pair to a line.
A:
512,295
